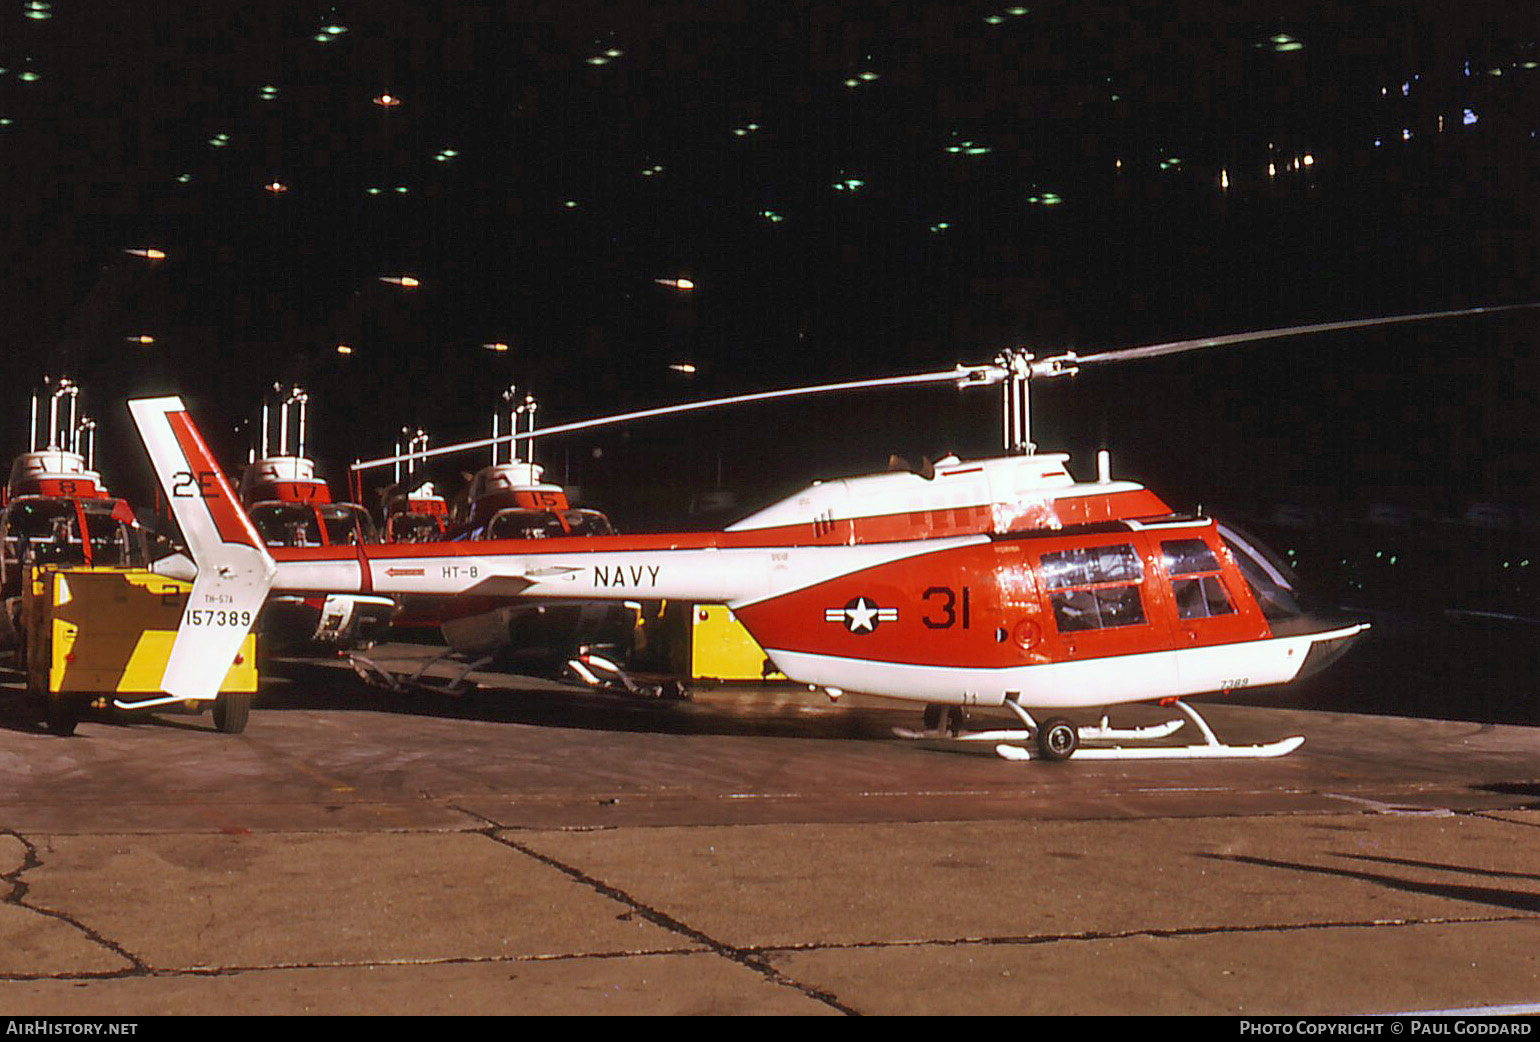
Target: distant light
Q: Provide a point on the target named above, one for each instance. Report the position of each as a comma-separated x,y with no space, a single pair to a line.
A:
268,93
597,59
183,179
614,52
1272,169
386,101
684,284
771,216
148,253
142,338
1224,179
28,76
682,367
1045,199
852,82
1017,12
1469,118
404,281
276,187
219,140
6,121
867,77
1406,133
37,10
940,226
849,184
1284,48
344,349
445,155
373,190
1308,159
496,346
570,204
653,171
994,19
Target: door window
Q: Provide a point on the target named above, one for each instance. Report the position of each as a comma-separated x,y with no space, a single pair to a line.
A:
1195,582
1094,588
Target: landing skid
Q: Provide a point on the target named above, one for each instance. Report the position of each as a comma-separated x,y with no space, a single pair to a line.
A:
597,671
1054,740
452,673
458,668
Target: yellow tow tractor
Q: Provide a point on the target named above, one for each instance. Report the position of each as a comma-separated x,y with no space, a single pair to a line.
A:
81,616
99,637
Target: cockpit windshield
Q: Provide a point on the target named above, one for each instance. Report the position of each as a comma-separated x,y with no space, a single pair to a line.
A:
1272,582
519,523
47,531
301,524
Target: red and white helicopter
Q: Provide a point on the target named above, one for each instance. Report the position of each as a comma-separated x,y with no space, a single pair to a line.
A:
509,499
56,509
291,507
998,582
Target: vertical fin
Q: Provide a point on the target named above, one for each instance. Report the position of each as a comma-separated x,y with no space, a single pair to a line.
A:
235,570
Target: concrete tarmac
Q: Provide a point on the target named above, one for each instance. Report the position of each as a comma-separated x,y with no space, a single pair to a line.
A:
755,851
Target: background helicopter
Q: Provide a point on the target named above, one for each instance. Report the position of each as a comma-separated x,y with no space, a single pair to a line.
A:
57,509
1070,596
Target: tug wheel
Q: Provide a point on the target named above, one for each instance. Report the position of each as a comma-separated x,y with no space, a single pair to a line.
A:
1058,739
231,710
61,713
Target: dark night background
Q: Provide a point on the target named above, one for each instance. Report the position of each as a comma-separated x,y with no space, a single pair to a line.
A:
709,148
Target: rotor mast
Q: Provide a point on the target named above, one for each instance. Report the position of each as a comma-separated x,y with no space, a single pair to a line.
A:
1014,369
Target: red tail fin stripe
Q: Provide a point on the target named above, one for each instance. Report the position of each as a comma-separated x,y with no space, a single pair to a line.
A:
229,520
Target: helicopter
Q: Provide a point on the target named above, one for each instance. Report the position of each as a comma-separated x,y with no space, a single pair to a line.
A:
56,508
507,499
291,507
999,582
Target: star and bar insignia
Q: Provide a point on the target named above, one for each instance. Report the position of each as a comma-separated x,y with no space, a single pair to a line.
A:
861,615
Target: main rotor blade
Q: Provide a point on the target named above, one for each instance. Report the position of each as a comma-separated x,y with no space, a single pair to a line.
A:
963,374
1175,347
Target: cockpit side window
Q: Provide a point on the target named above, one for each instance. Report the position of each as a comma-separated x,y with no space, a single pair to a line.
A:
286,524
1195,580
346,524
